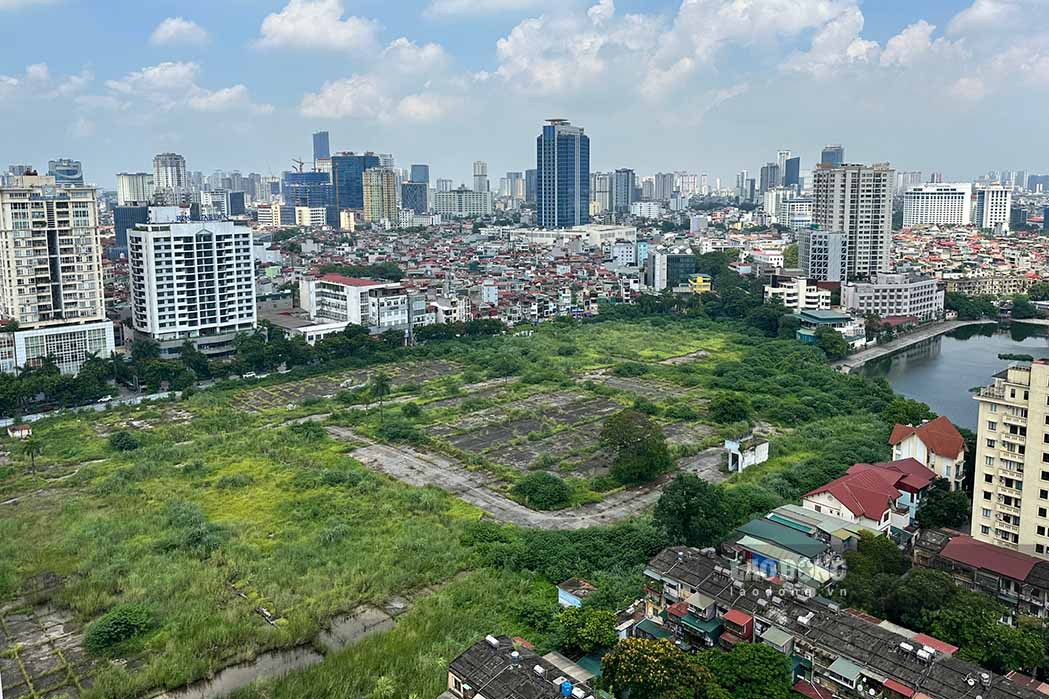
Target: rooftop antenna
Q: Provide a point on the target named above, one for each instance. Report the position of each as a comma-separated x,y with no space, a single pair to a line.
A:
299,164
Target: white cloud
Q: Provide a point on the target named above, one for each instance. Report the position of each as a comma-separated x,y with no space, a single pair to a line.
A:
178,30
359,96
225,100
968,88
407,56
989,16
317,24
838,43
460,8
915,43
425,107
170,85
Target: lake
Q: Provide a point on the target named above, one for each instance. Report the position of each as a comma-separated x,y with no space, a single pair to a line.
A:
941,371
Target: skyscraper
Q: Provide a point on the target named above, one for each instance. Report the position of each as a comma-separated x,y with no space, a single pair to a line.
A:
169,177
992,206
530,185
380,194
321,146
792,172
134,188
347,178
420,173
663,186
781,162
622,190
444,185
857,200
769,177
414,196
563,175
481,176
312,189
66,172
52,286
833,155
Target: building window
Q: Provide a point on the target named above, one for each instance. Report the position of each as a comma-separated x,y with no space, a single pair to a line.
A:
986,495
985,530
992,426
985,512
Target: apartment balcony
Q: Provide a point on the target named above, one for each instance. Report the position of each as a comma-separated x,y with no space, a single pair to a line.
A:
1008,509
1006,490
1015,528
1014,420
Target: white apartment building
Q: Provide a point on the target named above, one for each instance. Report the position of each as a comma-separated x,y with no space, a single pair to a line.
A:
51,274
646,209
797,294
594,234
857,200
170,177
795,213
895,295
938,205
462,203
376,305
992,207
312,216
823,256
1011,483
191,280
624,253
134,187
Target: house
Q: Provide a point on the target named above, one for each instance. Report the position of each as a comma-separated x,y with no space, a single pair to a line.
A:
573,591
746,451
499,668
833,652
849,328
936,444
883,496
1019,581
839,534
20,431
772,549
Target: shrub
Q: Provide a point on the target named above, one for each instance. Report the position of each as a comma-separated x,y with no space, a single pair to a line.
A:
543,491
119,625
399,431
123,441
237,480
630,369
411,410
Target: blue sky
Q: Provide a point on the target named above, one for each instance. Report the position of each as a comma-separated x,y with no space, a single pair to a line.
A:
957,86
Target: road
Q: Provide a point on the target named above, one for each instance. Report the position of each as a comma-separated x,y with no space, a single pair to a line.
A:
419,468
856,361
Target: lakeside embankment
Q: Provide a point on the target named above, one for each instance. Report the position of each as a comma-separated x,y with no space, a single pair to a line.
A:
927,332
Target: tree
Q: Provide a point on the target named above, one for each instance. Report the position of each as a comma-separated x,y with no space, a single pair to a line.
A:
380,387
942,507
790,255
543,491
692,511
638,668
727,408
917,596
638,447
751,671
31,447
123,441
1023,308
831,342
971,622
906,411
766,318
1039,291
587,629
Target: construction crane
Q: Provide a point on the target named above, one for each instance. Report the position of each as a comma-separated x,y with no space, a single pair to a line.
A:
299,163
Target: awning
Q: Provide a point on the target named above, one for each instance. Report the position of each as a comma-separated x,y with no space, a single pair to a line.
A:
898,688
843,667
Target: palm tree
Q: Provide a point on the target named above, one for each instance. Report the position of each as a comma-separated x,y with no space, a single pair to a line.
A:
380,388
32,447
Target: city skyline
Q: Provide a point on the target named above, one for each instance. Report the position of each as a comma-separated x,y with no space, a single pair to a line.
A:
216,83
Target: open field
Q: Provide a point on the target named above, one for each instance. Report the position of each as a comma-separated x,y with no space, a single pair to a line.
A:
266,518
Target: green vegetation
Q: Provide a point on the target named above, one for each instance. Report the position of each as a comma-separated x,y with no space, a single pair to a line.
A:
1011,357
587,630
543,491
638,447
117,627
971,307
1023,309
940,507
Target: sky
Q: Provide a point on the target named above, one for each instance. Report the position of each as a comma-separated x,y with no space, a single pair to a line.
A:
716,86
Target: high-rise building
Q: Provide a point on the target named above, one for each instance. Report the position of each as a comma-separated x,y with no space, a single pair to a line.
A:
531,181
769,177
938,204
380,194
124,219
481,176
663,186
563,175
822,255
386,160
1010,492
420,173
857,200
992,206
781,164
622,190
906,180
444,185
207,270
462,203
741,185
51,254
833,155
936,178
321,146
792,172
311,189
600,192
414,196
66,172
347,178
134,188
665,270
170,182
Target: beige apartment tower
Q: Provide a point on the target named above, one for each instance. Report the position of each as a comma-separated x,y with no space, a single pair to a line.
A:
1011,485
51,275
857,200
380,194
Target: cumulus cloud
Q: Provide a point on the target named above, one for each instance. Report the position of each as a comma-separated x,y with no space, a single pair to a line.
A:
358,96
460,8
37,82
837,43
317,24
173,84
178,30
988,16
968,88
407,56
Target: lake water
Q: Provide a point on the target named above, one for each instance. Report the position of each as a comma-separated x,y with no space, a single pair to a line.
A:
941,371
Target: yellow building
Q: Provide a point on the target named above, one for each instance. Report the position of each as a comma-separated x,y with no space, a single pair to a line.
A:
380,194
699,283
1011,486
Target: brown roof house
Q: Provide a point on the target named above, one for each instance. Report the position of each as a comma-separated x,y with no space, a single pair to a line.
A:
936,444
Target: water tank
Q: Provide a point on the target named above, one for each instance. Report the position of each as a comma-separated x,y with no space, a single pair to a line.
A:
566,689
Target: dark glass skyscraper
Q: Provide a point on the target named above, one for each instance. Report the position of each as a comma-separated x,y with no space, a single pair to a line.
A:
321,146
413,196
833,155
531,177
66,171
562,175
347,178
307,189
124,218
792,172
421,173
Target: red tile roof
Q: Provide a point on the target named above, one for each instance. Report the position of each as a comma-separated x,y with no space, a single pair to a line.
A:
978,554
939,435
933,642
349,281
865,493
737,617
812,691
909,474
899,688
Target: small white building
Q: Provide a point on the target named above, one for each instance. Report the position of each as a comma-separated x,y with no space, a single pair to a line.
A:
376,305
896,294
797,294
745,452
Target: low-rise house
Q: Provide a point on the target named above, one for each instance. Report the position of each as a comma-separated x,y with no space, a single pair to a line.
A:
499,668
773,549
1018,580
746,451
573,591
839,534
20,431
797,294
936,444
833,652
849,328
